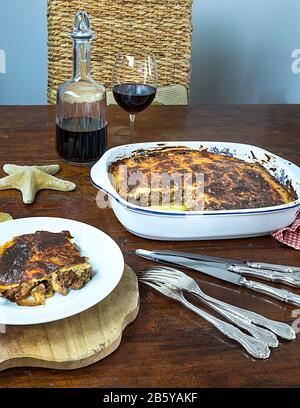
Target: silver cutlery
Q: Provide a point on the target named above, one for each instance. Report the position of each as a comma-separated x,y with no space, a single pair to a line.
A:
253,346
246,319
282,274
250,264
218,270
273,267
261,334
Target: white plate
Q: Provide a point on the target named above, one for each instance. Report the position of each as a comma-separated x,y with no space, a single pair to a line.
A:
103,253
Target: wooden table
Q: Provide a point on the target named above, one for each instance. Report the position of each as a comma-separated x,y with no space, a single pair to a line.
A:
167,345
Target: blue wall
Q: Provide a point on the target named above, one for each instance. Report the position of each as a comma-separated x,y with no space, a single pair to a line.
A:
23,37
241,51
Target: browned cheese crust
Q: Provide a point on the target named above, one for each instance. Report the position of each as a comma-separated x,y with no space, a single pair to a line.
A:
34,266
229,183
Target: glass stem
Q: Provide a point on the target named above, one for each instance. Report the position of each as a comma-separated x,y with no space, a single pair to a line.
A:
132,120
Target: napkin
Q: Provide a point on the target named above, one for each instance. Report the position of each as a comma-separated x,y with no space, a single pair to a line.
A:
289,235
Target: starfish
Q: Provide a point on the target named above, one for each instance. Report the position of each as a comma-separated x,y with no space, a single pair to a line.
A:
30,179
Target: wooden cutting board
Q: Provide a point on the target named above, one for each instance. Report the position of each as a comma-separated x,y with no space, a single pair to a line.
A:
77,341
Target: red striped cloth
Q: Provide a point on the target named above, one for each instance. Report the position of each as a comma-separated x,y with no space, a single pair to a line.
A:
289,235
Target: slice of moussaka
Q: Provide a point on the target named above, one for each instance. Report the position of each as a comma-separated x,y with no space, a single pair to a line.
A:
35,266
204,181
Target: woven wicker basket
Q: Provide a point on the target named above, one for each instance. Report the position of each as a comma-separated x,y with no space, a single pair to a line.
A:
161,27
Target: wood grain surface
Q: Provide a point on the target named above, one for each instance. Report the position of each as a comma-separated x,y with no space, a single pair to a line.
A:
166,345
77,341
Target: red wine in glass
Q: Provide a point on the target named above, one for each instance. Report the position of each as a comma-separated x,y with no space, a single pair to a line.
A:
134,82
133,97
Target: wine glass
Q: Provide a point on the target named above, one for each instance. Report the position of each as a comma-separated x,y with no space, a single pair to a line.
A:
134,82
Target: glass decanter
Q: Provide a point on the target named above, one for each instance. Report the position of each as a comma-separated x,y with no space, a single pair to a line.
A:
81,124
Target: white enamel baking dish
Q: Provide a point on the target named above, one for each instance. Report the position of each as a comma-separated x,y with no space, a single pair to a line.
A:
199,225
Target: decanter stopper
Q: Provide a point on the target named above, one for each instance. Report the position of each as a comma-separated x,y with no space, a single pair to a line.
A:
82,27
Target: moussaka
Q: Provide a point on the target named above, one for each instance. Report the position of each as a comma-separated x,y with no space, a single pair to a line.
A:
204,181
35,266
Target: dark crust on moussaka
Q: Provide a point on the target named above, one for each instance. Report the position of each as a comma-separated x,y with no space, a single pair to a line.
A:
40,264
229,183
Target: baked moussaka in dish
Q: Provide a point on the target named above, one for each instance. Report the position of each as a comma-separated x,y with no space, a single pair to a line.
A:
34,266
228,182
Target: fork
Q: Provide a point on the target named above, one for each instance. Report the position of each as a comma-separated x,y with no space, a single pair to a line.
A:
253,346
261,334
180,280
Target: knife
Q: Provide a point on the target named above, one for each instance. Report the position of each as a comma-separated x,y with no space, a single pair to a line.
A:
221,273
233,265
255,265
